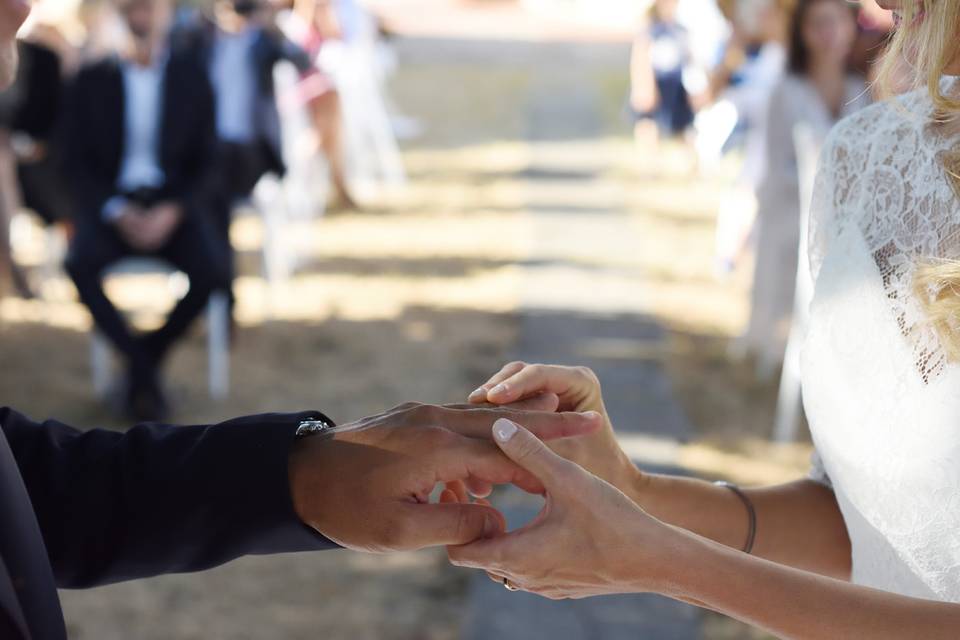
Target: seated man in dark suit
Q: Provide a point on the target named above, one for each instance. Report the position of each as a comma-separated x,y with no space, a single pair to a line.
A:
141,140
240,51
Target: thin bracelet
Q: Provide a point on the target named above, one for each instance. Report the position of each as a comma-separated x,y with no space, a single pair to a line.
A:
751,513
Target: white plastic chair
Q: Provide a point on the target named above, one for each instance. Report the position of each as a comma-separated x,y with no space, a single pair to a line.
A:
218,331
373,155
286,205
789,401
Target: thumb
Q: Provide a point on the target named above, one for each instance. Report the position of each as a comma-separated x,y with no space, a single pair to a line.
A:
449,523
529,453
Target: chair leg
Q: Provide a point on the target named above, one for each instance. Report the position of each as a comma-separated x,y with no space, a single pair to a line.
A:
100,364
218,344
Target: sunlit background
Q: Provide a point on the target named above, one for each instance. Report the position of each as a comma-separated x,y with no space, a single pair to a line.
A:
523,220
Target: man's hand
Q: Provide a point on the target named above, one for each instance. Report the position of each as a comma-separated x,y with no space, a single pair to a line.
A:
160,222
368,488
130,224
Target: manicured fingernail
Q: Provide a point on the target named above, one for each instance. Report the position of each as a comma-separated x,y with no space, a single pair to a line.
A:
503,430
500,389
591,415
478,394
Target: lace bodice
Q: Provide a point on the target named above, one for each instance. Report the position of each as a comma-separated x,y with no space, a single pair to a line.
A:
882,397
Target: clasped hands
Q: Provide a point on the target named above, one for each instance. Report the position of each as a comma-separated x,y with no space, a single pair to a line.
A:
368,487
148,229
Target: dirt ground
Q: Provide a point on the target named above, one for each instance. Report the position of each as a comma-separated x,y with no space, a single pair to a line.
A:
414,298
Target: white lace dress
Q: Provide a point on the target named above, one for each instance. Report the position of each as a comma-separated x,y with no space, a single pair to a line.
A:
882,399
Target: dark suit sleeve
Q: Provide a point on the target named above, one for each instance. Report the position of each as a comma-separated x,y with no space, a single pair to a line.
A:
159,499
202,174
282,48
90,184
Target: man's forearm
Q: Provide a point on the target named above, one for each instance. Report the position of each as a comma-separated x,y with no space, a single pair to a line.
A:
798,605
798,524
158,498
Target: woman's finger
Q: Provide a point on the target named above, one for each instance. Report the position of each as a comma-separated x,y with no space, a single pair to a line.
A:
540,402
478,488
480,395
538,378
529,453
457,488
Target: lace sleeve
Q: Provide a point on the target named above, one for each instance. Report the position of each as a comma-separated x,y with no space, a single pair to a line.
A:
842,160
821,210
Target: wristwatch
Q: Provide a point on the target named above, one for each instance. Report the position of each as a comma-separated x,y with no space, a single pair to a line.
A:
319,425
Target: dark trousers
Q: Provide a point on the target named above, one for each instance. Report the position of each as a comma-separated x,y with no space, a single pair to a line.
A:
239,167
194,248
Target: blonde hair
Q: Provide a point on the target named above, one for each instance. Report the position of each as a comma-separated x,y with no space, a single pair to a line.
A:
937,286
927,40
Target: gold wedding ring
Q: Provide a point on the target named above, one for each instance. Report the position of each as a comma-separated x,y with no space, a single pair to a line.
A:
510,586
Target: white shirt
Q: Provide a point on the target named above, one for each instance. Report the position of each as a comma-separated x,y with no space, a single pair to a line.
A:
233,77
143,92
143,109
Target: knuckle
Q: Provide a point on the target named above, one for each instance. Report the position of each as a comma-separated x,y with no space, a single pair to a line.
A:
463,525
425,414
586,373
537,370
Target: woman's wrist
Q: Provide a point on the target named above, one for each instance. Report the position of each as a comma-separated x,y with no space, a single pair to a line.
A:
631,481
676,567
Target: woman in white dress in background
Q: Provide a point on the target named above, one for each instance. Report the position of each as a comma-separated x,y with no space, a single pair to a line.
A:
817,91
869,545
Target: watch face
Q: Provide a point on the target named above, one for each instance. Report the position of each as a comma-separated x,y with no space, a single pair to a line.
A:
313,427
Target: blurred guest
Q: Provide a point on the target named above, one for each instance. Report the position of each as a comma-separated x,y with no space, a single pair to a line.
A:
662,46
47,58
239,49
817,91
752,65
9,198
314,24
141,141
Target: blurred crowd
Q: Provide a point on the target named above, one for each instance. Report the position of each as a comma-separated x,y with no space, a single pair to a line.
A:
765,79
139,126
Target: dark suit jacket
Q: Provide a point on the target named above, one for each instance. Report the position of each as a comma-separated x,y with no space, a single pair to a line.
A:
95,133
268,49
79,509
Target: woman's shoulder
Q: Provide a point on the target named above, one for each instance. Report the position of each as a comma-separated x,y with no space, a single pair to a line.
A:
881,123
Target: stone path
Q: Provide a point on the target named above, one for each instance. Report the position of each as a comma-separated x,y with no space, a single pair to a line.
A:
598,318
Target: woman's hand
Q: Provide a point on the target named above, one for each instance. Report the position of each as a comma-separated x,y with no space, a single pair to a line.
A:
566,389
589,539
